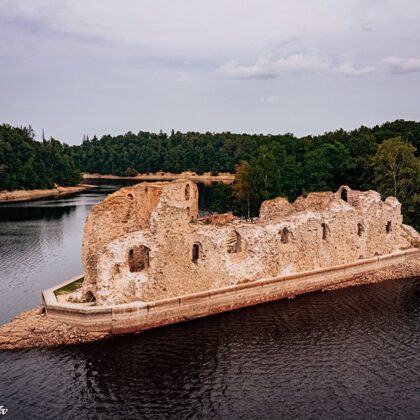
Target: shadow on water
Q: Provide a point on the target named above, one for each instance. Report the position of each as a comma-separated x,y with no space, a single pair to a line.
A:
16,214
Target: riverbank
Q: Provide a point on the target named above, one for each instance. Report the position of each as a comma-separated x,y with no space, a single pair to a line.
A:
33,328
224,177
28,195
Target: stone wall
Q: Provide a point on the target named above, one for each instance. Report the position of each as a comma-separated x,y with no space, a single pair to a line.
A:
187,255
137,316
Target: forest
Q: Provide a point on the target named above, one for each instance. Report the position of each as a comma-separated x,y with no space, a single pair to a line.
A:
29,164
384,157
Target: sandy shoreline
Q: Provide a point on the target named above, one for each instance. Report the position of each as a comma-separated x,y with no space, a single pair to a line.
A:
224,177
27,195
33,329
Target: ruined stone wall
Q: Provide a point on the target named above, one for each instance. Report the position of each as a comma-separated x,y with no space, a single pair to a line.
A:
125,219
186,255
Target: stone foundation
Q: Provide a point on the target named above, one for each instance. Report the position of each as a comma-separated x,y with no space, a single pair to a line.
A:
68,324
138,316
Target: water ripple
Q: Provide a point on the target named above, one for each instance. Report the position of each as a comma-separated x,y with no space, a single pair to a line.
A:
352,353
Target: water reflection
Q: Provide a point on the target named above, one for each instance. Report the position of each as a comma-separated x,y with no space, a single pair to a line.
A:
48,212
344,354
41,243
41,246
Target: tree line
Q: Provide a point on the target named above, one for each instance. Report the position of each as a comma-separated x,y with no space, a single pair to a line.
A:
219,152
384,157
29,164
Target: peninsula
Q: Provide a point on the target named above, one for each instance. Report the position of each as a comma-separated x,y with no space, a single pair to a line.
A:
206,177
149,260
28,195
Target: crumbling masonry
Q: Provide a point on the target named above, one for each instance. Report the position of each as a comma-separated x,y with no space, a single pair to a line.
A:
146,242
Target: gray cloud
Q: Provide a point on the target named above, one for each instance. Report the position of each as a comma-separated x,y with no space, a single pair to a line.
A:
400,65
77,67
267,67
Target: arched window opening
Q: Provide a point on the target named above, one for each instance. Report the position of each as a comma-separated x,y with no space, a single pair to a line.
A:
389,227
187,192
325,231
196,252
138,258
344,194
234,242
89,297
360,229
285,236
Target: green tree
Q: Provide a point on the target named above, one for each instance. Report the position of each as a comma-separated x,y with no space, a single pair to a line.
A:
241,188
28,164
256,181
396,168
397,173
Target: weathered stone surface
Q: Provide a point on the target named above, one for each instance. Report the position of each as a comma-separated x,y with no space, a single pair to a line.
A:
218,219
412,235
145,242
276,209
33,328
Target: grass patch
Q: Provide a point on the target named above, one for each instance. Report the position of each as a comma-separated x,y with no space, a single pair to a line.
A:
70,288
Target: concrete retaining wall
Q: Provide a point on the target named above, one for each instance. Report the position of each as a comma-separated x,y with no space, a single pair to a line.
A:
137,316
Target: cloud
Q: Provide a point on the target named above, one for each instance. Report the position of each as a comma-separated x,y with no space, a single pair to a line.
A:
270,99
349,70
269,67
398,65
155,64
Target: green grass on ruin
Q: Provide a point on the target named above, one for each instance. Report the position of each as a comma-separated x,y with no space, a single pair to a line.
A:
69,288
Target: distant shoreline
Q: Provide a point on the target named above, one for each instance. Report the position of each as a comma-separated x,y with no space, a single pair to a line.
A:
28,195
224,177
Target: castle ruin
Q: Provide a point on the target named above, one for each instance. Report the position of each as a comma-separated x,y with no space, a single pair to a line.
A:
146,242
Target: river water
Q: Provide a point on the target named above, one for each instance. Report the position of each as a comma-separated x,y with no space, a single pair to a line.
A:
347,354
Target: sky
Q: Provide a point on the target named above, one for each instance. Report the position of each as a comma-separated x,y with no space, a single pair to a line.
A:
95,67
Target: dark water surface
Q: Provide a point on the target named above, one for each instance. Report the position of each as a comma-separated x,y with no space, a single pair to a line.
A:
347,354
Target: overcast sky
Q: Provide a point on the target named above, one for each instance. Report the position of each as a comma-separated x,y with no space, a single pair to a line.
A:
75,67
